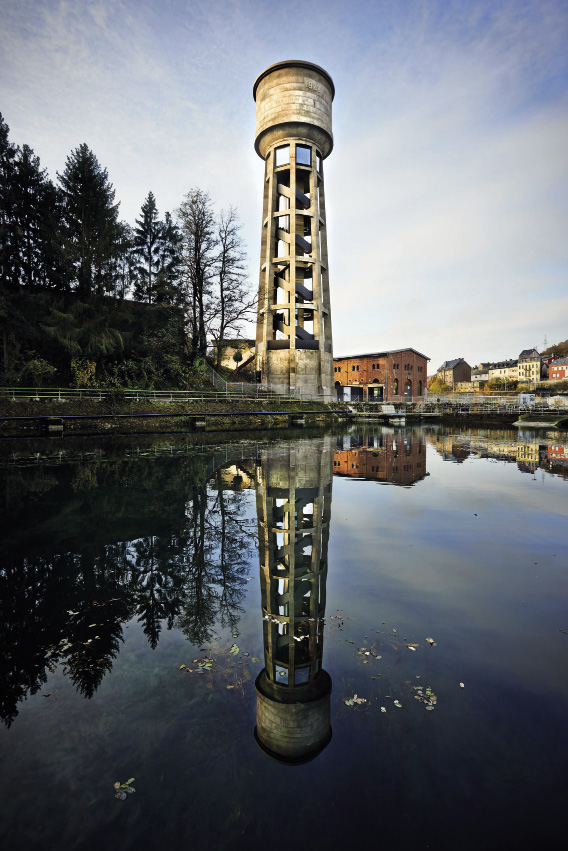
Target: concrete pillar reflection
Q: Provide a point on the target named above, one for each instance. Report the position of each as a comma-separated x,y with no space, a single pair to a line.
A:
293,690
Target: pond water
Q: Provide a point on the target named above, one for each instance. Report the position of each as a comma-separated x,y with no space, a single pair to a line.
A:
313,639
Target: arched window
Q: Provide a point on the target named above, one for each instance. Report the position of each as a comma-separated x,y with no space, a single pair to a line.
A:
408,391
420,388
395,387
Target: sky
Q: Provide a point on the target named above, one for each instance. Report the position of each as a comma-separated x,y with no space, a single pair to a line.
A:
446,191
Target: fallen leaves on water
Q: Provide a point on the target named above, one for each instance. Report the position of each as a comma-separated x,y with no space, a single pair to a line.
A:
398,704
355,700
462,685
124,789
426,696
431,642
383,709
255,659
234,649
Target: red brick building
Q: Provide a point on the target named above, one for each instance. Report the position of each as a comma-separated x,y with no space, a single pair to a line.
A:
558,369
395,376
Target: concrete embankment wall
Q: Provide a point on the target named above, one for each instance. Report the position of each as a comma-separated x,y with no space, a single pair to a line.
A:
95,417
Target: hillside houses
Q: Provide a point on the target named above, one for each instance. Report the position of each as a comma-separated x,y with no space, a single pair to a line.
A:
529,368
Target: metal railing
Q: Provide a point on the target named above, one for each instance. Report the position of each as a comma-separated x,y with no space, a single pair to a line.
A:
230,391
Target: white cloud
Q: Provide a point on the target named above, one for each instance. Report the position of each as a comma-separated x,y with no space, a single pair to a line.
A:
446,189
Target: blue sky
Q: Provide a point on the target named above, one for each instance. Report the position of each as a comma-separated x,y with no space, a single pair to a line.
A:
447,188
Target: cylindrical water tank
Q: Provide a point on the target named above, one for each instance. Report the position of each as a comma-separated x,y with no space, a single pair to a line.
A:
293,101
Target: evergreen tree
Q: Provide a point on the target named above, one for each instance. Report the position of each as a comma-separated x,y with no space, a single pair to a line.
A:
168,280
148,238
8,153
91,231
35,257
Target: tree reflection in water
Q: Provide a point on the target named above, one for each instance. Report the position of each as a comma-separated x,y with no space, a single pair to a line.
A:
75,567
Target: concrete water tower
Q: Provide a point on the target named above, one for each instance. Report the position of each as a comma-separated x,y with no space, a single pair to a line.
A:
293,137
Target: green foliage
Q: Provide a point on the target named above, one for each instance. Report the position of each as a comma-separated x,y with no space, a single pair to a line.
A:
83,372
238,356
38,370
500,384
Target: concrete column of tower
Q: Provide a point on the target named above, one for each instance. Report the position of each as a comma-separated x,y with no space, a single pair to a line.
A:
293,691
294,136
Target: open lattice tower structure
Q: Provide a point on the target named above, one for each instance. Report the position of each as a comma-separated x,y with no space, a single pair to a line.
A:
293,136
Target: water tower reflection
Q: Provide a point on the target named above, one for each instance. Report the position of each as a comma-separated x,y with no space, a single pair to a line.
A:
294,507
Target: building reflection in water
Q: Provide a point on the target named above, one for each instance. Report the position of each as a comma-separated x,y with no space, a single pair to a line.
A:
293,691
398,457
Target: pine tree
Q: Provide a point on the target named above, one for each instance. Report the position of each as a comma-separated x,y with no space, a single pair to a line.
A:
148,238
35,252
91,232
168,280
8,153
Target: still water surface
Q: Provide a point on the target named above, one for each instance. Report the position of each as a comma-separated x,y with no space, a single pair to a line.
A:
308,641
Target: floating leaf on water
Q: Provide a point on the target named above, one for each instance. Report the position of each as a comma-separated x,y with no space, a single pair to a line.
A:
412,648
383,709
246,654
255,659
398,704
429,707
128,782
181,667
431,641
282,673
462,685
234,649
117,784
235,635
230,686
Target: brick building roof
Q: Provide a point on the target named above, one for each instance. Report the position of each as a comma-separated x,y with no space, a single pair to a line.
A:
380,354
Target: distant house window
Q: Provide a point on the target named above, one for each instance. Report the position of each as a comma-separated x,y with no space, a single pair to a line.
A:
374,366
357,367
395,387
352,369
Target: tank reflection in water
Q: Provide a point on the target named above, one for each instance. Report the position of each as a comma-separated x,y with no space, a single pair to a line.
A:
293,498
